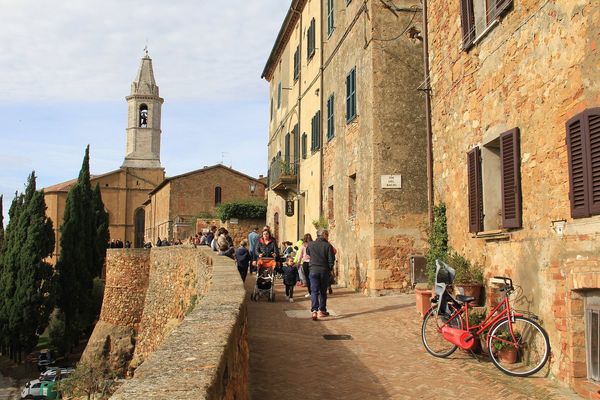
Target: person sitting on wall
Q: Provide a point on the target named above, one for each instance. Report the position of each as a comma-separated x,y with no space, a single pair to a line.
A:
223,243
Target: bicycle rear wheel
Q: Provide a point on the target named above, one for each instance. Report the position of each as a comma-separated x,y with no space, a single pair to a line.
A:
524,357
432,338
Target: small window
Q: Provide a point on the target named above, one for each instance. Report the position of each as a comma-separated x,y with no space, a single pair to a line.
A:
297,63
311,36
316,132
217,195
330,117
352,196
143,116
279,95
494,184
330,21
477,16
304,145
351,95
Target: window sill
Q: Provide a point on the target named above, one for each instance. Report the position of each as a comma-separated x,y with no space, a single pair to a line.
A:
486,31
497,234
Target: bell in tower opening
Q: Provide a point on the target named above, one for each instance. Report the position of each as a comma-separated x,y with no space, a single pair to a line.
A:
143,116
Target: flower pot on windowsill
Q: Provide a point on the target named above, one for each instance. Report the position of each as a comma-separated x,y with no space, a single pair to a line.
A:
423,299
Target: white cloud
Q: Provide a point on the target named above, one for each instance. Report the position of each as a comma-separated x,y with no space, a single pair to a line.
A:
80,50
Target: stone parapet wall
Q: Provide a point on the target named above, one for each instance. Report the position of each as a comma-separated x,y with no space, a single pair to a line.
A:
206,356
125,288
178,277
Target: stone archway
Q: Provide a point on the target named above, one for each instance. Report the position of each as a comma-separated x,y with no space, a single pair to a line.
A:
140,222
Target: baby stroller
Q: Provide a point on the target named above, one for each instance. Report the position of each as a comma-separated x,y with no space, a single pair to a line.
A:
265,280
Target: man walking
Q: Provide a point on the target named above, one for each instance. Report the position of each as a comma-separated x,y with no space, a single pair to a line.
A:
252,241
322,259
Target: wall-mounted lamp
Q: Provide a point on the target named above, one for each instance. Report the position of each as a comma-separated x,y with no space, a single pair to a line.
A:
414,33
252,187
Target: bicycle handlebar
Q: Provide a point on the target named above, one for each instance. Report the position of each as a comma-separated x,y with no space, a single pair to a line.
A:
508,283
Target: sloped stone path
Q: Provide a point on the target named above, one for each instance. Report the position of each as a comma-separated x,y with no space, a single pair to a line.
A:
290,359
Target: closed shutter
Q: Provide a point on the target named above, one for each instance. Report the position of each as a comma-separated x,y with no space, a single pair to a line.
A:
475,192
510,157
467,17
578,171
592,119
499,7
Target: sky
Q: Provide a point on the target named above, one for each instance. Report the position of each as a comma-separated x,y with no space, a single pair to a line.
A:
66,67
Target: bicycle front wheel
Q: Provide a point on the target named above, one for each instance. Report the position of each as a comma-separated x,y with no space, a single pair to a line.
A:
432,338
521,357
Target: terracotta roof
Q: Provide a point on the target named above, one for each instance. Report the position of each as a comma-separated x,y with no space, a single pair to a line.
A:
200,171
66,186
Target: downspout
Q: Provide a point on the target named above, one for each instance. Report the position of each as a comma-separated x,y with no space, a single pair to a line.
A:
321,93
427,91
298,139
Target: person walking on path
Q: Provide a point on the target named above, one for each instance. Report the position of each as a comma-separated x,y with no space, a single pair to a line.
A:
321,264
253,237
242,257
304,258
266,247
290,277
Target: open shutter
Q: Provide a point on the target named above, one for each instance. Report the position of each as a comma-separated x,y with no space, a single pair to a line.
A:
592,119
467,17
578,170
475,191
499,7
510,157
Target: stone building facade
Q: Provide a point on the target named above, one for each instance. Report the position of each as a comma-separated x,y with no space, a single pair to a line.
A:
366,123
515,91
125,190
173,205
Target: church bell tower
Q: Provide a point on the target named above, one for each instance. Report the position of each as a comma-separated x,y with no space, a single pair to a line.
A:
143,121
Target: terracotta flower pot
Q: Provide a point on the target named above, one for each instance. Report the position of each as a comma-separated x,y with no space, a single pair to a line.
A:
471,289
423,298
508,355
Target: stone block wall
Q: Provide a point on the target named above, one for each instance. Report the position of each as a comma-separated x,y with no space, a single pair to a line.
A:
207,355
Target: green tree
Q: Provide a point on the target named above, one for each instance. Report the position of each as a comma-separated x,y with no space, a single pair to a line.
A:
438,240
102,233
26,277
78,261
1,223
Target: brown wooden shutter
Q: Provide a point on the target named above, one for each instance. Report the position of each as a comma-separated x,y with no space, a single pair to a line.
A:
592,119
578,171
510,158
499,7
475,192
467,17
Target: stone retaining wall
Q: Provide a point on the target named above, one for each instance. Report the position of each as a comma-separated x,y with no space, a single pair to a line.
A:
206,356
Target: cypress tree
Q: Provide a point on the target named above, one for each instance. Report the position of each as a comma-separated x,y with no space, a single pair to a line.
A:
102,233
1,223
77,264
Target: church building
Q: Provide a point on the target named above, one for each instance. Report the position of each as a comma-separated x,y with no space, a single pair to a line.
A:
125,191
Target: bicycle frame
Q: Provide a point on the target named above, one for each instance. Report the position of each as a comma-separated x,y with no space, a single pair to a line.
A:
502,311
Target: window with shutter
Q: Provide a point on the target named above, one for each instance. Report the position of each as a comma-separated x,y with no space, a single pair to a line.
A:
330,119
295,145
297,63
351,95
475,195
287,149
510,157
583,149
478,15
311,36
304,145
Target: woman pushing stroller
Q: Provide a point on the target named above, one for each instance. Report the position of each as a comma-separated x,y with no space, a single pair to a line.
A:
266,248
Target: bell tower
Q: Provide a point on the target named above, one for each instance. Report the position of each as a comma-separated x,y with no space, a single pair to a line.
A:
143,120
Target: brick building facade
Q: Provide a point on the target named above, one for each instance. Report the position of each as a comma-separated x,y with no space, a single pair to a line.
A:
352,117
514,85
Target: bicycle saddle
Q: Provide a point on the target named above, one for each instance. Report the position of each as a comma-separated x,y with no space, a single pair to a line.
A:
464,299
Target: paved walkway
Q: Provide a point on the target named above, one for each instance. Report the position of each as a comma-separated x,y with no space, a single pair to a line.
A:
290,359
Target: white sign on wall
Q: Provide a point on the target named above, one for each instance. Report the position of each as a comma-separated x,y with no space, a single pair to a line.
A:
233,221
391,181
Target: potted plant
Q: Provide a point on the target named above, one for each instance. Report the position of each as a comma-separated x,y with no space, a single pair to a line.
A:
423,297
475,318
469,276
506,352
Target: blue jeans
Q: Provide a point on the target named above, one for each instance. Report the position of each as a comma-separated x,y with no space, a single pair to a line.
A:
319,281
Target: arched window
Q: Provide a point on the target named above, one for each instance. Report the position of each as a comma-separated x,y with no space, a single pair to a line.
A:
143,116
217,195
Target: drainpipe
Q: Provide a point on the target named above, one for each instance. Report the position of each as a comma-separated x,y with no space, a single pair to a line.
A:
427,90
298,138
321,93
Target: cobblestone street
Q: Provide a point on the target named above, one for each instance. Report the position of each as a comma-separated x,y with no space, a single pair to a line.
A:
290,359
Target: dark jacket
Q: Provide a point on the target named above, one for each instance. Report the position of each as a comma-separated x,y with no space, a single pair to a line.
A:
242,257
322,257
267,249
290,275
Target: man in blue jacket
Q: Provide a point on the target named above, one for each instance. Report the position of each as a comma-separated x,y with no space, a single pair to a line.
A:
322,259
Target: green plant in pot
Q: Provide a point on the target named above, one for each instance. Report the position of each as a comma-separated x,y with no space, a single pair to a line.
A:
475,318
469,276
503,348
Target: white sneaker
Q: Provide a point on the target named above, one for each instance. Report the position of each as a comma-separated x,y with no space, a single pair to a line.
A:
291,300
307,295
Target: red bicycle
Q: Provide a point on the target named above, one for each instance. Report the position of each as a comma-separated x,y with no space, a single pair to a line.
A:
517,345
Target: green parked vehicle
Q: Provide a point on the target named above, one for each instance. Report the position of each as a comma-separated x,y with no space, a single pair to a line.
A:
48,391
